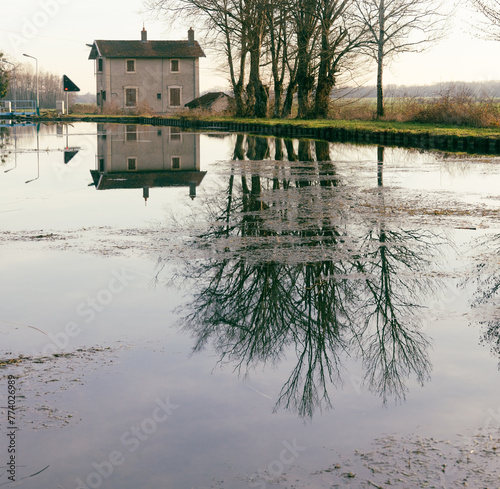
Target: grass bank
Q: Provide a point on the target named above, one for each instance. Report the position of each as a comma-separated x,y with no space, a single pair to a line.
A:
392,127
371,126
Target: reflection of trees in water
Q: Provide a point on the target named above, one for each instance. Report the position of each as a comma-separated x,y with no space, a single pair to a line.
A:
5,144
339,286
487,294
392,344
393,347
255,312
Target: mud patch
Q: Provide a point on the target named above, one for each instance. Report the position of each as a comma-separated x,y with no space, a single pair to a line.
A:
40,379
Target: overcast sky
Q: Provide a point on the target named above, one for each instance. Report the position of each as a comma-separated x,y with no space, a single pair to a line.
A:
57,31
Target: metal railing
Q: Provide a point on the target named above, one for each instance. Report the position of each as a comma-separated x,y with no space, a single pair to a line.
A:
18,107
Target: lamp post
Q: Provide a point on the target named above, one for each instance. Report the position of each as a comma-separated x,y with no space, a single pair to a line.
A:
14,90
15,151
37,159
37,100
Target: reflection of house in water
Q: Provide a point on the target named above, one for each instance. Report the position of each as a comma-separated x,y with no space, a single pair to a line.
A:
143,157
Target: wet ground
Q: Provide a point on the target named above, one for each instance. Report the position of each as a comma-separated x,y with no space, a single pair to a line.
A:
191,310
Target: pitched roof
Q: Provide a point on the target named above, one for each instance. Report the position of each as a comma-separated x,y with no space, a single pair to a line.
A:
145,49
205,100
176,178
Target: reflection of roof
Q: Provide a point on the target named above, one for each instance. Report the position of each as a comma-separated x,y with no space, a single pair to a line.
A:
178,178
147,49
206,100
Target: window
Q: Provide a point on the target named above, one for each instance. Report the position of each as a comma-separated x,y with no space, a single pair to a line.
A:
130,65
130,97
131,164
101,165
158,96
175,134
176,162
103,95
158,132
175,97
99,64
174,66
131,132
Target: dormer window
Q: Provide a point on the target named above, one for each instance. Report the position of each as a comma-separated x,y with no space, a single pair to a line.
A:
174,66
130,65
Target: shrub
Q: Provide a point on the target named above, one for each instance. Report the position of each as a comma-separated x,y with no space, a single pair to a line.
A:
459,106
193,113
144,109
111,108
84,109
359,109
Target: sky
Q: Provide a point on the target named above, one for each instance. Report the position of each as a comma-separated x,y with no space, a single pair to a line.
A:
57,32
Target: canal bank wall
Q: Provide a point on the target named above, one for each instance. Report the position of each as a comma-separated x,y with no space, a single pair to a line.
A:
399,138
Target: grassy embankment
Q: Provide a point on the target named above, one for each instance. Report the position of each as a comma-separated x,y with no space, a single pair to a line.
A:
452,113
374,126
358,125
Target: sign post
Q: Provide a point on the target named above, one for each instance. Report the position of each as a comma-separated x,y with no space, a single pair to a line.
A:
69,86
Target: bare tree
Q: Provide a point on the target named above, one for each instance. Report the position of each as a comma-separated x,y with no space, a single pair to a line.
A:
237,28
50,86
490,10
258,96
342,38
399,26
226,23
305,25
281,53
4,79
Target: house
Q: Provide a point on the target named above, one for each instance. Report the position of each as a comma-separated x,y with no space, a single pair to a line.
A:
133,157
212,101
163,75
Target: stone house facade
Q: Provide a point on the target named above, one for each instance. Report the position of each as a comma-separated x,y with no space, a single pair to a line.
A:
161,75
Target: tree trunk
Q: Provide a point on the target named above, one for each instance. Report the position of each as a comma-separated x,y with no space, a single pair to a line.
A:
380,88
261,99
322,99
325,77
305,83
257,92
261,148
380,166
322,150
305,150
238,98
239,152
278,98
278,149
380,61
288,103
290,151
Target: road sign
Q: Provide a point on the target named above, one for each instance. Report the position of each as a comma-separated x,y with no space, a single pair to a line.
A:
69,86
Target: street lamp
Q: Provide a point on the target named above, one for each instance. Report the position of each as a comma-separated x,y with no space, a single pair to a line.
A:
14,90
37,159
37,100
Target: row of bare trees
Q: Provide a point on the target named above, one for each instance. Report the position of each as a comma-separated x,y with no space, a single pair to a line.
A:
302,47
50,85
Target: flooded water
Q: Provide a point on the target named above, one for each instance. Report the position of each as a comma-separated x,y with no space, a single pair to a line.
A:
210,310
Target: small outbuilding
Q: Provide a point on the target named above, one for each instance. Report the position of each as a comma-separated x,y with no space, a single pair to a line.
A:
212,101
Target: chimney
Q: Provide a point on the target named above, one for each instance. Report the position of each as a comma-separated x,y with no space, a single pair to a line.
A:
190,37
144,34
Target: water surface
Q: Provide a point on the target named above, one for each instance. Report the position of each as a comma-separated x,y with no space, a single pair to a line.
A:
266,313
